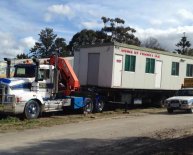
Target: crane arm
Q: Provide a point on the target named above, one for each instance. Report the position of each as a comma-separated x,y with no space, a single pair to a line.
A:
67,73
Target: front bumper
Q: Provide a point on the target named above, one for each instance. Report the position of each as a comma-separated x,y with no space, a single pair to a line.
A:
180,106
9,105
12,108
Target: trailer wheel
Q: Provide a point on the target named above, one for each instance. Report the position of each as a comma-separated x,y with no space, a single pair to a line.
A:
32,110
88,108
170,110
99,106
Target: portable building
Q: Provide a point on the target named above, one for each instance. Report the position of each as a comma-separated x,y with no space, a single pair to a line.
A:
129,67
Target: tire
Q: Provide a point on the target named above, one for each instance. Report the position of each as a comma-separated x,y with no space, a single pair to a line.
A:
32,110
99,106
190,110
170,110
88,105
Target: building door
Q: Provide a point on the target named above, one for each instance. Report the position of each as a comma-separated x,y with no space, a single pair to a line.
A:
117,73
93,68
158,74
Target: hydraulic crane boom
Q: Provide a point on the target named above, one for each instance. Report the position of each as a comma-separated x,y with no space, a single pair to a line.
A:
67,73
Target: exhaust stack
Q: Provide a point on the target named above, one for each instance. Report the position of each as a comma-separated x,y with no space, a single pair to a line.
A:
37,62
8,67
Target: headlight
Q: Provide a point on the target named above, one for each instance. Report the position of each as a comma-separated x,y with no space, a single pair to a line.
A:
9,99
185,102
167,101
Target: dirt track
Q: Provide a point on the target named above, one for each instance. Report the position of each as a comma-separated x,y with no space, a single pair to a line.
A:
141,133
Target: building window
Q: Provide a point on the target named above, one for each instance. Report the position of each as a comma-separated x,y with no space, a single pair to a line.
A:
150,65
175,68
130,63
189,70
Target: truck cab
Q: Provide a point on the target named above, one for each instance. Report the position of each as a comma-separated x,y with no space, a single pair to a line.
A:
44,82
25,86
36,88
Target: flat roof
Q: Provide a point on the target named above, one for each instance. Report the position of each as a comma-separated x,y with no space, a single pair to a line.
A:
138,48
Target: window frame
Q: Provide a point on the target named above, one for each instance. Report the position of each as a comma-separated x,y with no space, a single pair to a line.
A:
175,68
130,63
43,74
150,66
189,70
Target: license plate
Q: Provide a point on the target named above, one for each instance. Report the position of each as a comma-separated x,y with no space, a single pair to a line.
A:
175,105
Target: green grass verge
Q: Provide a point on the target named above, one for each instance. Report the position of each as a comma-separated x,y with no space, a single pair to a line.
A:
10,123
1,107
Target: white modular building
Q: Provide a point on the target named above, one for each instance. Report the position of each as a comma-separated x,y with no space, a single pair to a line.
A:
124,66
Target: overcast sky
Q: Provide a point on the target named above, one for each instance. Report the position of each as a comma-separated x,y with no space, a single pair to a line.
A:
22,20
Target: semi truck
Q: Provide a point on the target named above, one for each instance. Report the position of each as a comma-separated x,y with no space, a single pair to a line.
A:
52,86
183,99
119,74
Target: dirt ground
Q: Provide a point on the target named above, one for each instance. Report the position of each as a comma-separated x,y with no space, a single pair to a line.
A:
149,131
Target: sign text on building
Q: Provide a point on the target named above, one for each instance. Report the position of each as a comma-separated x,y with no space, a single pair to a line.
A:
143,53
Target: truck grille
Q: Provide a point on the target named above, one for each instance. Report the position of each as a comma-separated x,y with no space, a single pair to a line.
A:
175,101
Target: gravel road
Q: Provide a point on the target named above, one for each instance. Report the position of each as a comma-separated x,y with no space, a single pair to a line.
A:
124,134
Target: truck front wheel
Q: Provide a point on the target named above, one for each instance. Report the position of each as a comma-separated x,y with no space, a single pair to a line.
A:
32,110
190,110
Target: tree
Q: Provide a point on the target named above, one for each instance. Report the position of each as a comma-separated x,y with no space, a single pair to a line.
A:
48,43
86,37
22,56
61,46
152,43
115,30
190,52
183,46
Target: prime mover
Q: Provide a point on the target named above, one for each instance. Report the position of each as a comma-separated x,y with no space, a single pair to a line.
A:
52,86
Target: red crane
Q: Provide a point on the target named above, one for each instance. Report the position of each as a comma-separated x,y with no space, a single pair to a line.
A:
67,74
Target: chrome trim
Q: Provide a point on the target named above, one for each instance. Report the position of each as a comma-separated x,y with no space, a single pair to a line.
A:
14,108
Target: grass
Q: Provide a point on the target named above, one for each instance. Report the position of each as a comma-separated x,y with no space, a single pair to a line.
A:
1,107
14,123
10,123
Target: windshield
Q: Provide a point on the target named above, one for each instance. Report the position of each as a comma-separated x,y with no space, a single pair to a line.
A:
27,71
185,92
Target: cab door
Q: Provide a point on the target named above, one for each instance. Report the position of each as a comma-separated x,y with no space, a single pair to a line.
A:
45,83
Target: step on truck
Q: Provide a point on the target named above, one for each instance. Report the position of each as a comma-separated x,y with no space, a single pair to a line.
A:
183,99
37,88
